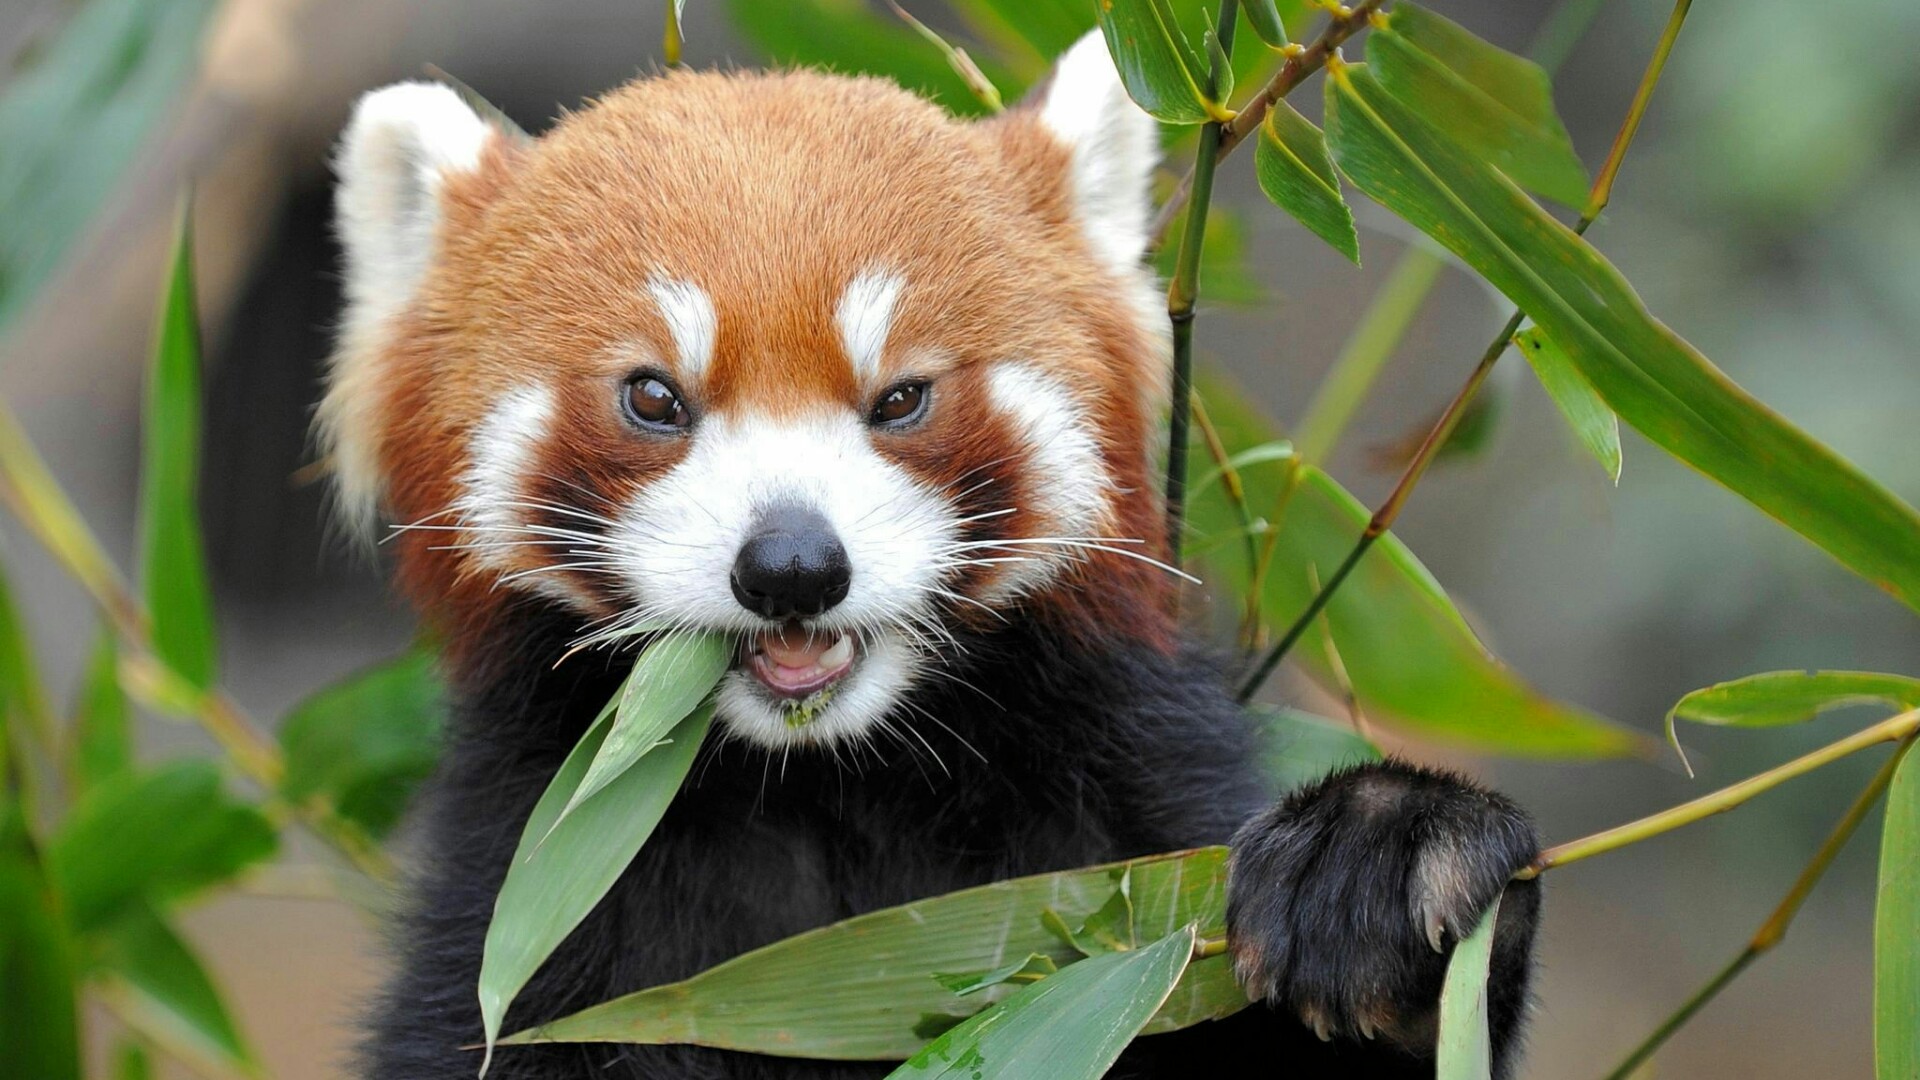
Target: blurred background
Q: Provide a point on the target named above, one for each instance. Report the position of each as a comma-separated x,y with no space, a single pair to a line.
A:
1768,213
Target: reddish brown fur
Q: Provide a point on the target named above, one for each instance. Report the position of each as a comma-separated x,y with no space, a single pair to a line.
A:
771,192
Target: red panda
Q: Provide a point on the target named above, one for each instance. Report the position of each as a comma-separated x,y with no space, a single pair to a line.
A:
801,359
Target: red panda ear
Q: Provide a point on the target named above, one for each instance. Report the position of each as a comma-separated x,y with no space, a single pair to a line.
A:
402,145
1113,145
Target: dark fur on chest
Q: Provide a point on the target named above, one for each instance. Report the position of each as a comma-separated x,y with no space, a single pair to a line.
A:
1031,753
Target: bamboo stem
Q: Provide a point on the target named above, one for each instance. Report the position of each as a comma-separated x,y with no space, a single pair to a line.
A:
1719,802
1774,929
1184,291
1598,196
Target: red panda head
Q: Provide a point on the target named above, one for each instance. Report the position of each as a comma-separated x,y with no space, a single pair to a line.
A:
792,356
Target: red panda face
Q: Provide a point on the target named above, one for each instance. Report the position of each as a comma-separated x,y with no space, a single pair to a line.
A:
792,357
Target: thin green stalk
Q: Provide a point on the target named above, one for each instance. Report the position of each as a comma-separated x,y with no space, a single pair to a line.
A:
1719,802
1774,929
1184,291
1236,493
1383,518
1375,337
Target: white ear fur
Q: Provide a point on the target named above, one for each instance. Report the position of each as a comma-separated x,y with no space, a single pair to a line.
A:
1115,146
397,150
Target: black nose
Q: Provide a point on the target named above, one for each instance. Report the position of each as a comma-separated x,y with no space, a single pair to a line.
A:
791,566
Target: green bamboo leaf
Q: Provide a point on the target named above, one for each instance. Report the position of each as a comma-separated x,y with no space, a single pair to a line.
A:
560,872
1296,173
364,744
1896,932
102,742
73,115
855,38
1648,375
173,566
1595,425
1033,968
1264,17
1465,1052
153,836
1276,450
859,989
1066,1026
1496,105
1777,698
1162,71
1300,748
674,673
1774,698
1408,651
158,982
39,1026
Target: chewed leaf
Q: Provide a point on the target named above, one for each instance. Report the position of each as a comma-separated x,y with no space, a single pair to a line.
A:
561,870
1033,968
672,676
1776,698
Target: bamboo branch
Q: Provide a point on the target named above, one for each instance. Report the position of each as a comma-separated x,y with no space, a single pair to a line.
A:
1598,197
1719,802
1184,291
35,497
1300,63
1772,931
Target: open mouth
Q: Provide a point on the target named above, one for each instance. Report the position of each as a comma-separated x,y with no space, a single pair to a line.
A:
796,664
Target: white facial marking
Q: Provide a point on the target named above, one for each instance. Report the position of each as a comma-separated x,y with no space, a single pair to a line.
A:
688,311
675,544
1067,479
865,318
493,500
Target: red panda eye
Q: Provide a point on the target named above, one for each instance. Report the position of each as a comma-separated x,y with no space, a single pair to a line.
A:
899,405
655,404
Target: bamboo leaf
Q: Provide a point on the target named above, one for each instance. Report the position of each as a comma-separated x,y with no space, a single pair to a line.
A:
560,871
1296,173
130,1062
173,566
159,981
1033,968
1066,1026
1300,748
1595,425
153,836
1163,72
365,743
1264,17
1407,649
673,674
1896,932
1465,1052
1775,698
102,744
1494,104
1648,375
21,693
39,1026
71,119
859,989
